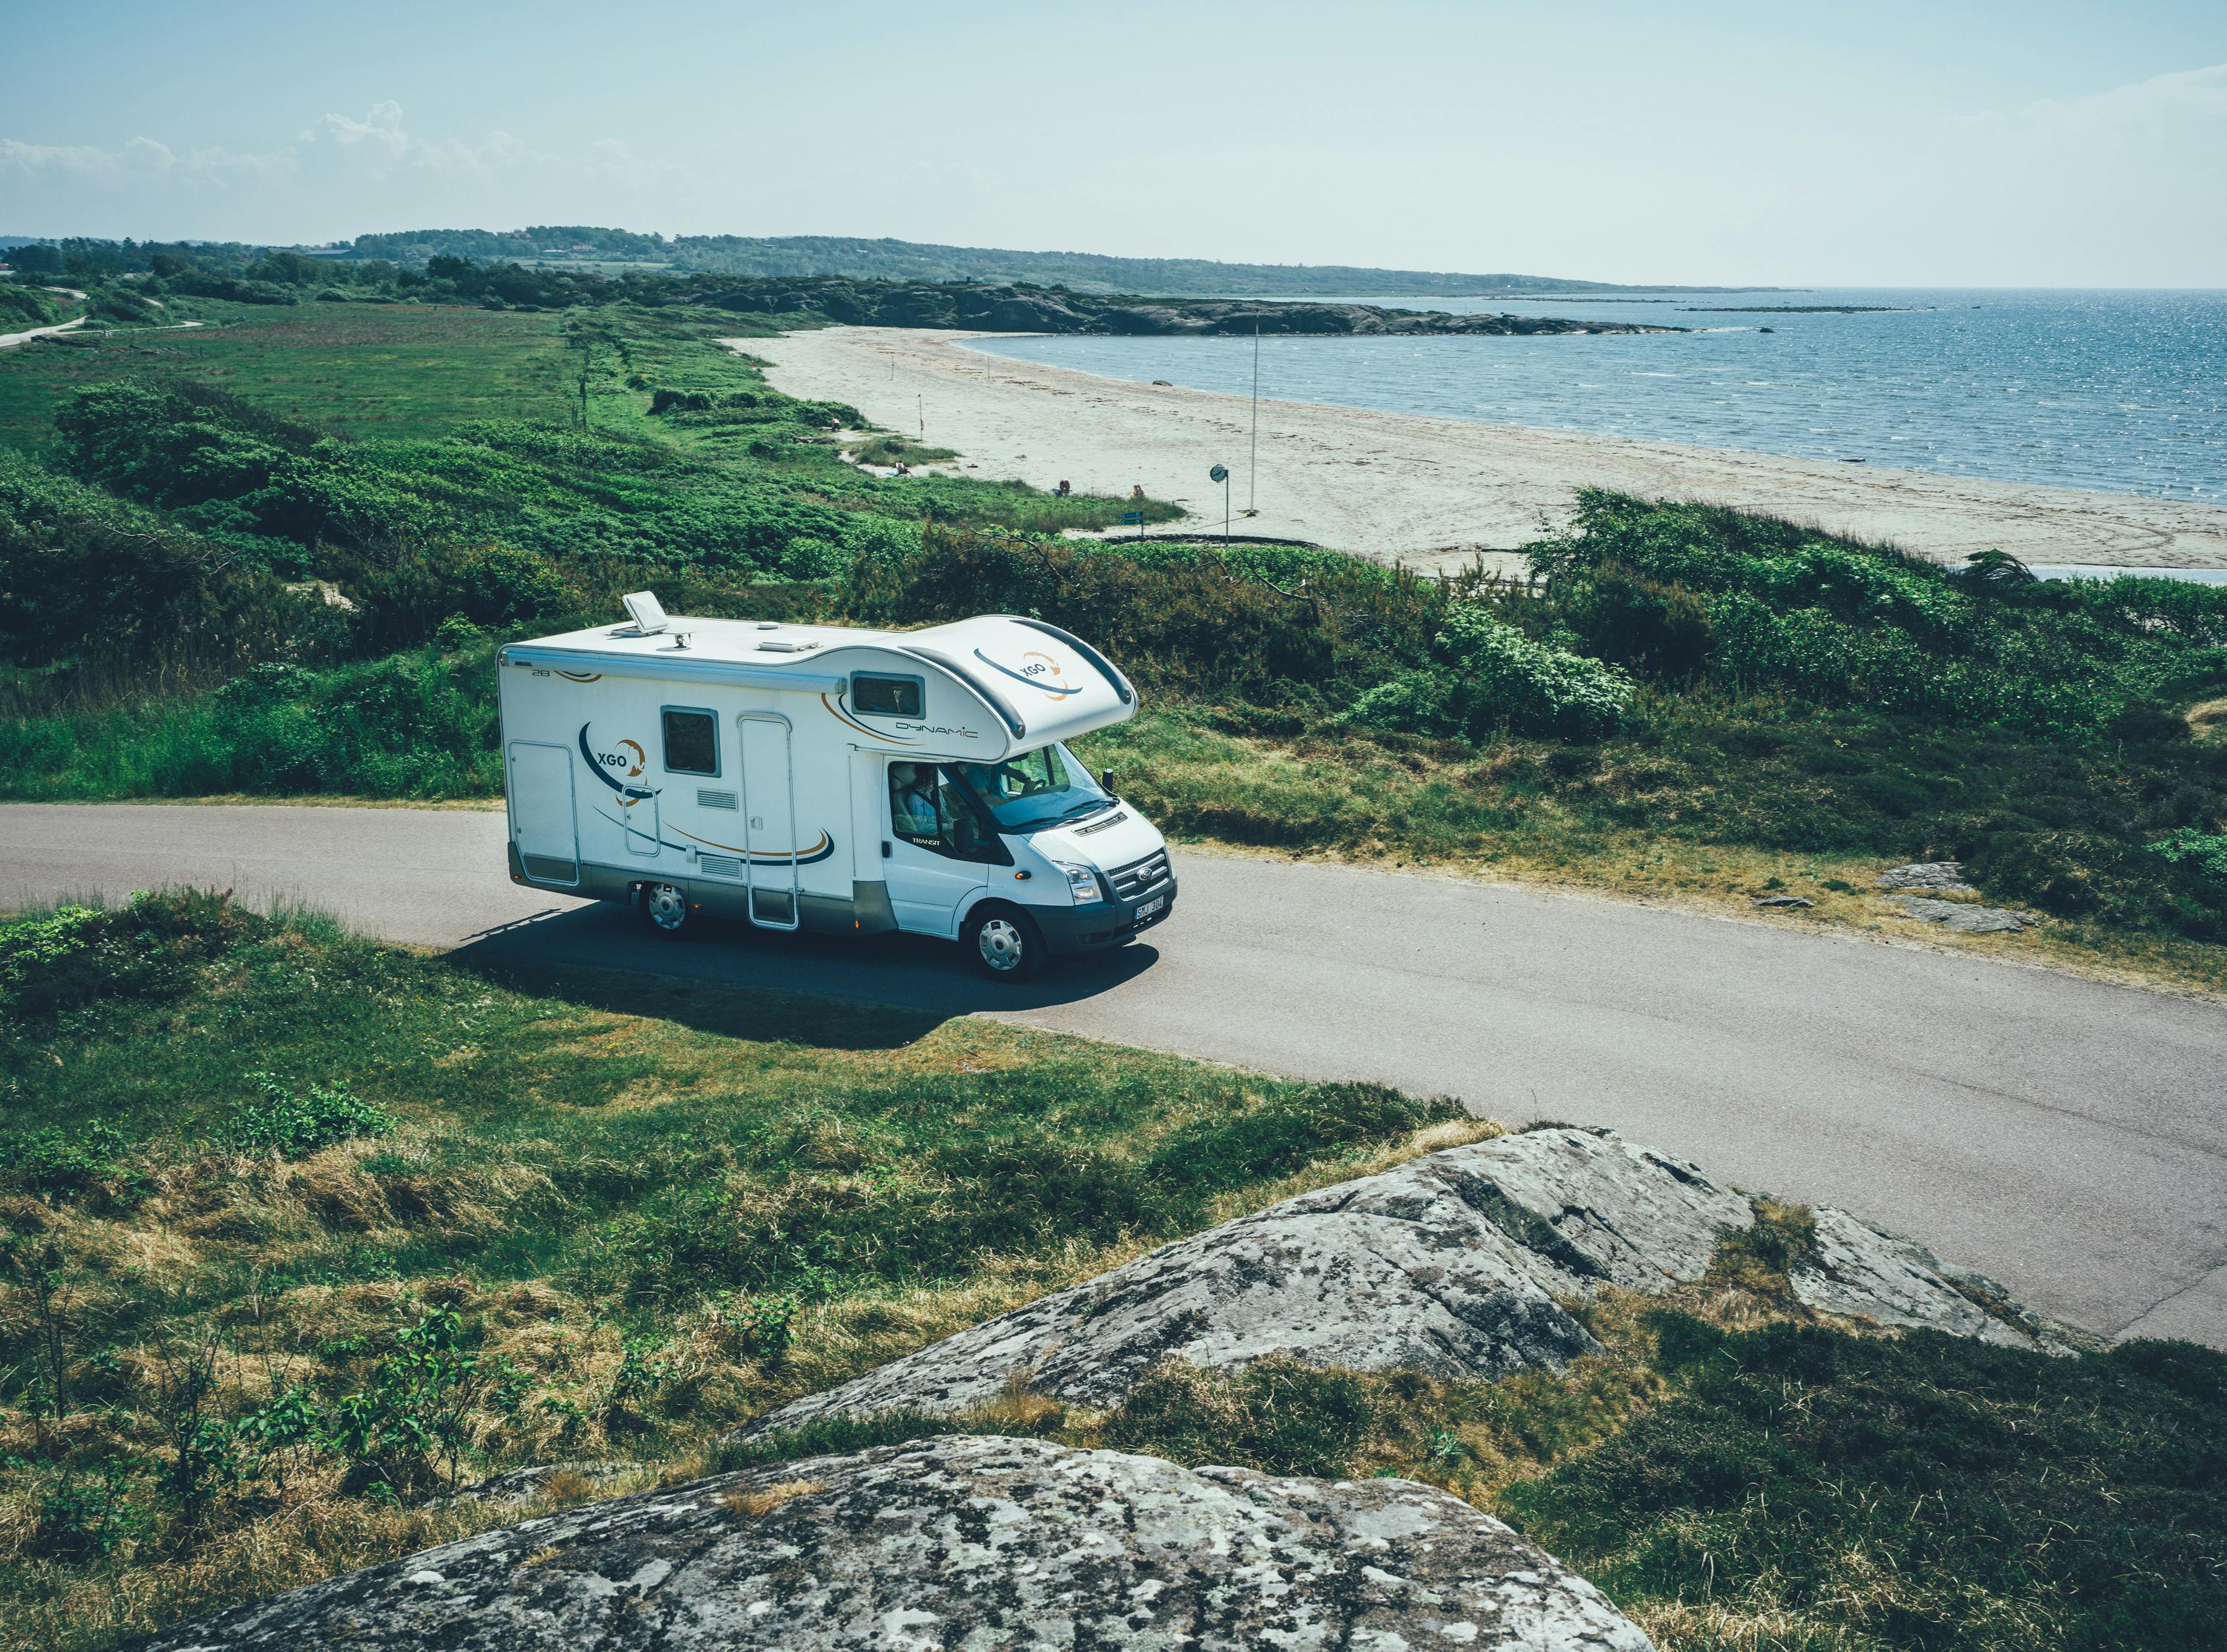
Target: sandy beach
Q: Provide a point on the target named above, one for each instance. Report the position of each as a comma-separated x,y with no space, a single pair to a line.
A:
1403,485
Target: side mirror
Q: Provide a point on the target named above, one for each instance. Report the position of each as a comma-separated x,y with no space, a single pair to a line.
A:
1106,780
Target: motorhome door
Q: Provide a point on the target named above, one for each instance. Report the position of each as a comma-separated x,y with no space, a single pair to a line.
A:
935,854
541,821
770,847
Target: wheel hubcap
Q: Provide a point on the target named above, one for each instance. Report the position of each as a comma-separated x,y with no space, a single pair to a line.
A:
1000,942
665,907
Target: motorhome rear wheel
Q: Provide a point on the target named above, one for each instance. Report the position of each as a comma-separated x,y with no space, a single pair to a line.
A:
664,908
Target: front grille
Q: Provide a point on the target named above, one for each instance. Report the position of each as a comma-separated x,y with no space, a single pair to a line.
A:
550,869
1113,819
706,799
719,865
1140,878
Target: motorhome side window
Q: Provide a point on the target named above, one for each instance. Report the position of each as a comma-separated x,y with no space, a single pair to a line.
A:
691,741
928,811
885,696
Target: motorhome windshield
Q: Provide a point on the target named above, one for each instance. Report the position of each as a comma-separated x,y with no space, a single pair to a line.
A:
1036,790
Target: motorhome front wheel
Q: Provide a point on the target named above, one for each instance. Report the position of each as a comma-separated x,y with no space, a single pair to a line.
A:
664,908
1006,944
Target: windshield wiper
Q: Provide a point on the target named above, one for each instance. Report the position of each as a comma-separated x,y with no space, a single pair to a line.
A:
1078,813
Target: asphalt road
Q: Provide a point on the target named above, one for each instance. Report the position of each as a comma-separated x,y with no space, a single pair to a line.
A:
2067,1137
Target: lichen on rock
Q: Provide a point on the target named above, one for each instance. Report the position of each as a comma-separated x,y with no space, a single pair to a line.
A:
1454,1264
962,1540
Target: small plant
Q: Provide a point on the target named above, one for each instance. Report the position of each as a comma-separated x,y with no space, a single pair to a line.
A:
414,1417
31,948
293,1126
767,1325
90,1514
643,1369
58,1163
2205,851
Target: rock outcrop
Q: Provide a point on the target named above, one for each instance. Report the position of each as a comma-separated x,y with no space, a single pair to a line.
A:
973,1541
1921,886
1963,916
1456,1264
1859,1272
1937,876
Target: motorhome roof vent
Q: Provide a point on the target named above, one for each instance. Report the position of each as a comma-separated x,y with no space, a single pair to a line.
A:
646,611
780,645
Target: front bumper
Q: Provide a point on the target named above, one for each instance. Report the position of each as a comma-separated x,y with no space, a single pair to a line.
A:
1103,923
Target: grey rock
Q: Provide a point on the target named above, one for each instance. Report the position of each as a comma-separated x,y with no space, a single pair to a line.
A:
1456,1264
1942,876
1791,901
1451,1264
962,1541
1961,916
1861,1273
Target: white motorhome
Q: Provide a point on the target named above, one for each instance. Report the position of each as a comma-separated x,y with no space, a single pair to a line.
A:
831,778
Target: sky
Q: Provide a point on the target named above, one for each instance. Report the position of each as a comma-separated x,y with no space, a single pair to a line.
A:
2041,143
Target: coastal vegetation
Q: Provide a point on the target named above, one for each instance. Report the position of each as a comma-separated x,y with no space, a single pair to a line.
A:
561,245
1680,700
300,1233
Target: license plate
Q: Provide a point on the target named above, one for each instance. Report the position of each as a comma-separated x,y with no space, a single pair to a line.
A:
1152,908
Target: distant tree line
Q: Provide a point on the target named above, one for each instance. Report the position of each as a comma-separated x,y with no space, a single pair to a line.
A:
856,258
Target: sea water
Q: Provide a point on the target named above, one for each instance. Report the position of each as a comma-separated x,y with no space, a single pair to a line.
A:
2121,391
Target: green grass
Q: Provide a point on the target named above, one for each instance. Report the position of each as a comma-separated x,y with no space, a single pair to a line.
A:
656,1208
263,1180
1739,1486
360,369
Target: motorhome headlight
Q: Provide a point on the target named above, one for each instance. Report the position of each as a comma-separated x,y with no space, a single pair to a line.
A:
1082,882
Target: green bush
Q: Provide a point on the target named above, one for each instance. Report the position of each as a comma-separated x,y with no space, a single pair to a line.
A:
22,308
58,1164
288,1125
150,949
2204,852
1490,676
1833,623
1660,630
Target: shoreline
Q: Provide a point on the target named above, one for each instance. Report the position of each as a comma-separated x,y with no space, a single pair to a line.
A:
1417,487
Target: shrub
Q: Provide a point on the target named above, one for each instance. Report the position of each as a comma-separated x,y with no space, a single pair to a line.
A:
149,949
1490,676
290,1126
1657,628
26,307
58,1163
2148,722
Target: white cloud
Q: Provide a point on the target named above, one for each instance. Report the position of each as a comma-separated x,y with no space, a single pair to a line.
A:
2164,99
614,159
142,160
381,138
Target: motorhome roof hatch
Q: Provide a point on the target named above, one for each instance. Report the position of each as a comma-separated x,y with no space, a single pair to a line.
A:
647,612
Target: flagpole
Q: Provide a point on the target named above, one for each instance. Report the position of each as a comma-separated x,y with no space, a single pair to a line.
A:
1253,467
